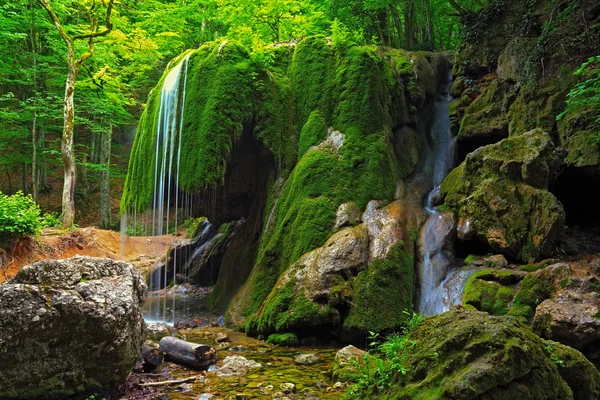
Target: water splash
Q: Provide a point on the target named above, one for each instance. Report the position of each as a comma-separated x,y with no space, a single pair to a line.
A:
440,283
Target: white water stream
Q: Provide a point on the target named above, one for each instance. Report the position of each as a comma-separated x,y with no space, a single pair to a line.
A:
440,283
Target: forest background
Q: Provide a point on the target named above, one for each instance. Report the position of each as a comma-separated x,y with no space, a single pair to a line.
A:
114,83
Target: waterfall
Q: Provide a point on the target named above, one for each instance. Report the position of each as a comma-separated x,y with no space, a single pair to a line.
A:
440,282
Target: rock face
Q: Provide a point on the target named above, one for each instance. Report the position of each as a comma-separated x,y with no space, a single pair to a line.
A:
472,355
500,192
69,326
500,90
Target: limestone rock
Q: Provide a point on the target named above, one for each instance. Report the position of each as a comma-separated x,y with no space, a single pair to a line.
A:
345,252
347,214
236,366
386,226
470,354
69,326
345,364
500,190
158,330
572,323
307,359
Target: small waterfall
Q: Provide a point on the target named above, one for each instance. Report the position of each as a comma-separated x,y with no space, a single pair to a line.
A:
171,305
440,283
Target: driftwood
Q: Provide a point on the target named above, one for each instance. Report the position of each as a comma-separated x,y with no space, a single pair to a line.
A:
193,355
190,379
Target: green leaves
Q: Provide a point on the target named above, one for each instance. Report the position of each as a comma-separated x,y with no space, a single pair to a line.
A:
19,216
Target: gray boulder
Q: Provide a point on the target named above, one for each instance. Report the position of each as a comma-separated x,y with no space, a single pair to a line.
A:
69,326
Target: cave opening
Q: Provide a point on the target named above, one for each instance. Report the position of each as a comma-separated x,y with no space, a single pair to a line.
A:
578,189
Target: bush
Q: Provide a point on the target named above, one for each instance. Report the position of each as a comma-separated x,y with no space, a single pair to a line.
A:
19,216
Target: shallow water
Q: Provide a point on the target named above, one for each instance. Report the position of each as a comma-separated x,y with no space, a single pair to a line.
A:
278,367
173,307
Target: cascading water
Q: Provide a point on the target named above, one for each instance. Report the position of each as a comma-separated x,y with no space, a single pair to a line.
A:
167,204
440,283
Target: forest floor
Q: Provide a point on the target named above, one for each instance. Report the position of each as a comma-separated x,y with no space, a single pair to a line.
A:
59,244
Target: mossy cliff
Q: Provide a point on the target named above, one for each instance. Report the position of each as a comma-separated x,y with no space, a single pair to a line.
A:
341,123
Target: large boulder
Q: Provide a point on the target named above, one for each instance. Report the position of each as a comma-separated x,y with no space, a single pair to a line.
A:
69,326
500,192
473,355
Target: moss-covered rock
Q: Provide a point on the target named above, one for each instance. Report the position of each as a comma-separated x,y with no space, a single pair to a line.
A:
501,191
354,160
491,291
469,354
347,363
283,339
342,123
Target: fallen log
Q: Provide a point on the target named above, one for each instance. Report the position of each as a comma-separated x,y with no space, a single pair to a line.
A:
193,355
150,358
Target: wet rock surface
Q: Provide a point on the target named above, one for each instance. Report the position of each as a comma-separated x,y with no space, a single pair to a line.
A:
69,326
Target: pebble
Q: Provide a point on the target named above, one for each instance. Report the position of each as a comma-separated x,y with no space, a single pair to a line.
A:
287,388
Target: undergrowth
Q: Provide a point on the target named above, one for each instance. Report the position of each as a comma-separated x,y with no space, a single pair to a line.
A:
385,360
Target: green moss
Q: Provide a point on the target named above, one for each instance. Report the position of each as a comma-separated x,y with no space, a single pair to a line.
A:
470,355
381,293
537,266
283,339
313,132
533,291
487,295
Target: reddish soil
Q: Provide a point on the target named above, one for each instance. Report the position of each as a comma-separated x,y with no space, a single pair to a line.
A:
57,244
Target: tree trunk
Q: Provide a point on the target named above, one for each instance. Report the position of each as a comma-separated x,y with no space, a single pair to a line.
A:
193,355
24,186
105,209
66,146
34,164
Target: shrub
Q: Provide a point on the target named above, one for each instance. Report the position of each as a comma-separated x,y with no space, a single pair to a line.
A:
19,216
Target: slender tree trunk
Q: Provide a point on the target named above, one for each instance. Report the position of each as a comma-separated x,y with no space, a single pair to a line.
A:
24,186
105,148
66,146
34,134
42,164
34,164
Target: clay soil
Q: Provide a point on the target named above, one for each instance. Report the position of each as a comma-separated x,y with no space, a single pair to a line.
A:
57,244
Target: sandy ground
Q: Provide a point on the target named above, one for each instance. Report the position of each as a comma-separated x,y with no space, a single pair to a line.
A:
141,251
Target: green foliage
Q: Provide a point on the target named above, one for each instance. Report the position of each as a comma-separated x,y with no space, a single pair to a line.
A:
585,95
50,220
385,360
19,216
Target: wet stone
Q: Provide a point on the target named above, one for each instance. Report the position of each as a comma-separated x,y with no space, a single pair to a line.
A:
306,359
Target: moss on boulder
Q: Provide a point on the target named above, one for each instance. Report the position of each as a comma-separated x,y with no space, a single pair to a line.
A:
501,190
469,354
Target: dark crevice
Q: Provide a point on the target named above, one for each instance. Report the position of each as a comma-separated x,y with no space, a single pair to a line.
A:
578,189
